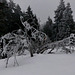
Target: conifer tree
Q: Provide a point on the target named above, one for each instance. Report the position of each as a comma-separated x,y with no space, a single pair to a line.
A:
59,12
12,23
32,19
64,21
3,18
58,19
48,28
64,30
68,18
9,16
14,18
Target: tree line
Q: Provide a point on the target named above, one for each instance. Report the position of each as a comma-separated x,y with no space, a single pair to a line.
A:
61,28
10,17
63,24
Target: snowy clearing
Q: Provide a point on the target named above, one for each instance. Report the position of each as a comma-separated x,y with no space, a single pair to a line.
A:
52,64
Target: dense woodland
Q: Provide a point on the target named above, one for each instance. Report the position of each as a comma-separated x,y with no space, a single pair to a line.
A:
10,17
61,28
63,24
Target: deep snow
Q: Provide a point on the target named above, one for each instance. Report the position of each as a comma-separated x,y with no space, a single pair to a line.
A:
42,64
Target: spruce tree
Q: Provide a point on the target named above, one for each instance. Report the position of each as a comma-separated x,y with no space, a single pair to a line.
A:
59,12
31,18
14,18
58,19
64,30
3,18
9,16
68,18
12,23
48,28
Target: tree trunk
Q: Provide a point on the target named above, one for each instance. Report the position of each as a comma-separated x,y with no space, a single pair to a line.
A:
31,51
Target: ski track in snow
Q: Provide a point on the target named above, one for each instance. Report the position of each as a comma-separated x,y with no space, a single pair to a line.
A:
42,64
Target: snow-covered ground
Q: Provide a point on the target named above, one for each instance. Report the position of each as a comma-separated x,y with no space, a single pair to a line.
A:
41,64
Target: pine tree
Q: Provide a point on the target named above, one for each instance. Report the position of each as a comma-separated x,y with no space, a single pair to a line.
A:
58,19
18,9
36,23
31,18
14,18
48,29
3,19
59,12
68,18
9,17
64,30
66,25
29,12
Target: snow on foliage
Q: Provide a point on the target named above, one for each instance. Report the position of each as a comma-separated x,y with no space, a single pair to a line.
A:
67,45
13,40
13,44
35,37
16,42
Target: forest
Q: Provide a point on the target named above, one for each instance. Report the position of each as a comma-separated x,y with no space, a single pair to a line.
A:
21,34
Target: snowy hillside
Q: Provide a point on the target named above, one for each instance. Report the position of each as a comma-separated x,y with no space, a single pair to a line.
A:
52,64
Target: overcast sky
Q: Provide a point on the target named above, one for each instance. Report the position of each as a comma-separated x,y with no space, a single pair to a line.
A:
43,8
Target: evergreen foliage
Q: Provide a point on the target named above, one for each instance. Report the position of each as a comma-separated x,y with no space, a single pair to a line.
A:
63,24
62,27
59,12
68,18
63,21
48,28
14,18
58,19
3,19
31,18
9,17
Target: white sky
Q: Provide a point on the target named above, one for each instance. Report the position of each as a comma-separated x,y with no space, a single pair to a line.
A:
43,8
